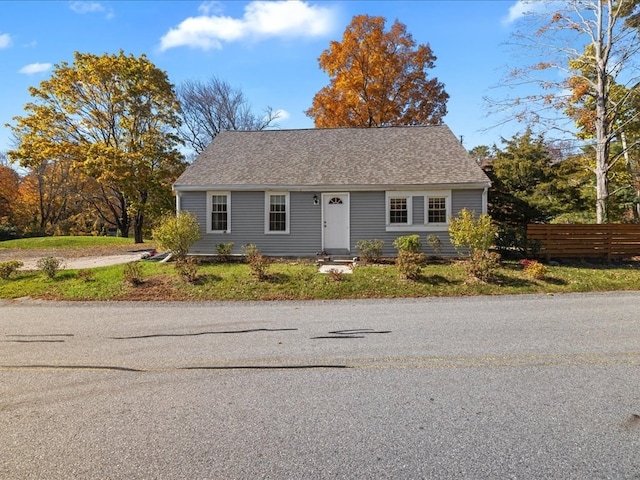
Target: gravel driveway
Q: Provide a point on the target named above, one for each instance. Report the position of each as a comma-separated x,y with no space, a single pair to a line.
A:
77,258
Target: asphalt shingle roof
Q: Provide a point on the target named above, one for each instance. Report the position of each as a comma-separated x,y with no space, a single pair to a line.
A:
410,156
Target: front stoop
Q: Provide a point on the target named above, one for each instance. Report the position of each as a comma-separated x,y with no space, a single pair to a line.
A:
336,264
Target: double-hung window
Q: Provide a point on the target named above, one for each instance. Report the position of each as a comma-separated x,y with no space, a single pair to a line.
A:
219,218
436,210
399,209
417,210
277,212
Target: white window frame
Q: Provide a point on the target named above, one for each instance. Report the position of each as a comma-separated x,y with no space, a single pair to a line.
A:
424,226
267,212
408,196
210,196
446,194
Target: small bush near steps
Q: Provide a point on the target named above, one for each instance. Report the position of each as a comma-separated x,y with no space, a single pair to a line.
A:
370,250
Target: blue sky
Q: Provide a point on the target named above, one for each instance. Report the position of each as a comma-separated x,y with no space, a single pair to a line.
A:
268,49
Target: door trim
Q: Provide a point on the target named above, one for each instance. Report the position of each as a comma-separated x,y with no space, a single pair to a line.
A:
347,247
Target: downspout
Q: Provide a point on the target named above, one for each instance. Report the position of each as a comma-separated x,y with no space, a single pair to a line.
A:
485,200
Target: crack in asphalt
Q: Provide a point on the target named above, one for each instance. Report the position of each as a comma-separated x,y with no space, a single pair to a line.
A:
224,332
34,341
354,333
151,370
37,338
42,335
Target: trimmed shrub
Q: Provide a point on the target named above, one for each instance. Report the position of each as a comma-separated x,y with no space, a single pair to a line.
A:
370,250
482,265
224,250
258,263
187,268
132,273
409,264
473,237
410,259
177,233
408,243
49,265
534,269
9,268
435,243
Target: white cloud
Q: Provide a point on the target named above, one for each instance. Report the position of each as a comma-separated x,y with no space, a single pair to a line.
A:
517,11
5,40
35,68
86,7
206,8
292,18
282,115
83,7
524,7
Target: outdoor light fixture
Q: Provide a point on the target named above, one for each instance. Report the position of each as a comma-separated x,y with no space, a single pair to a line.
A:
315,199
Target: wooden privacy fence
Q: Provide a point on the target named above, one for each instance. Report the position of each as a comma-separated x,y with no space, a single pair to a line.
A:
608,241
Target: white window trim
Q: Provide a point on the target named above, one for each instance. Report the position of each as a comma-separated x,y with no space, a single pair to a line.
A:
446,194
425,226
210,196
408,196
267,204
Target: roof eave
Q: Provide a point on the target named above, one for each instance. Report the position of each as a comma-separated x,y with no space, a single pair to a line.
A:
333,187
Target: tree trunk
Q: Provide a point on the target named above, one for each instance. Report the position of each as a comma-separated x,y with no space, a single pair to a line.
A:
138,219
602,123
137,228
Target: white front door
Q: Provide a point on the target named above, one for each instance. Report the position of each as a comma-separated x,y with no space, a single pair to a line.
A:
335,218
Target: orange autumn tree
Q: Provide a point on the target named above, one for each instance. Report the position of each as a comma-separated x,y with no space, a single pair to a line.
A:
378,78
9,181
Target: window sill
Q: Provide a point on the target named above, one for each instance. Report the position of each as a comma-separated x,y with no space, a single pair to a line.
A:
417,228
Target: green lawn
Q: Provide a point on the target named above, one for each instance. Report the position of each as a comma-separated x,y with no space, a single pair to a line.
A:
37,243
301,281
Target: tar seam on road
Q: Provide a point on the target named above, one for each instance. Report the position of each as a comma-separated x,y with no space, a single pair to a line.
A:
38,338
170,369
355,333
204,333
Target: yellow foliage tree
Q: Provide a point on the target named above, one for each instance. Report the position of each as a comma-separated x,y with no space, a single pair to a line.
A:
378,79
112,116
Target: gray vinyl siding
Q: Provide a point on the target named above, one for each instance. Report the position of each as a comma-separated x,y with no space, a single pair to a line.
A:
367,222
469,199
248,225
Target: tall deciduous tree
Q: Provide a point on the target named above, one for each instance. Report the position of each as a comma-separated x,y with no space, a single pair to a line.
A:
609,29
207,108
9,182
624,121
113,117
378,78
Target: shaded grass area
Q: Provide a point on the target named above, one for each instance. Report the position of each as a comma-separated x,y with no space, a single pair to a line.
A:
301,281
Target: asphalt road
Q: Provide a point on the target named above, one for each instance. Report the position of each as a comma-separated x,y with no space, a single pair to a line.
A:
485,387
